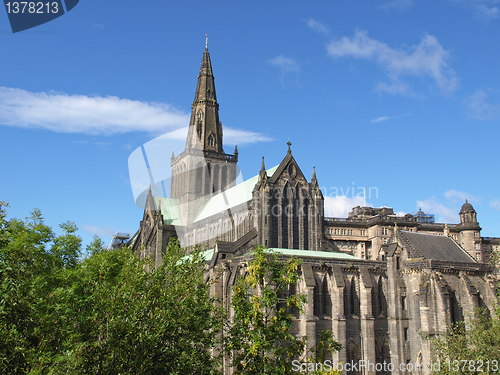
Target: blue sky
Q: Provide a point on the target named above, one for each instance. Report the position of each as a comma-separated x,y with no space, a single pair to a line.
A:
402,97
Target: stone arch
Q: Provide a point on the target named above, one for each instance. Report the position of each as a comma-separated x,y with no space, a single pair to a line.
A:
283,220
456,313
352,295
379,300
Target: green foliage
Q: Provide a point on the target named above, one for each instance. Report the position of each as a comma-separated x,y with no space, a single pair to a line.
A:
479,345
259,340
462,352
109,313
33,262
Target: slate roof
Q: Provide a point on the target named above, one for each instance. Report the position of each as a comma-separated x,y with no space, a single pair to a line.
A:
434,247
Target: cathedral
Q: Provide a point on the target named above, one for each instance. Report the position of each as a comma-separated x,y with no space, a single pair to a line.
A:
383,284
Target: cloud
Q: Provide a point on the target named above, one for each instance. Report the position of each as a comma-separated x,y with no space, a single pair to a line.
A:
460,196
495,204
380,119
242,137
428,58
341,205
443,213
485,13
397,5
317,26
64,113
478,107
96,115
106,231
289,69
386,118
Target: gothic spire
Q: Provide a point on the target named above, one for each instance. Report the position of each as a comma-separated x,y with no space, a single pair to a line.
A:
314,180
206,85
205,125
262,174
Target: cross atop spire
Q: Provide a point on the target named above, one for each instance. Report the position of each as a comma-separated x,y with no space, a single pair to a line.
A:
206,41
289,144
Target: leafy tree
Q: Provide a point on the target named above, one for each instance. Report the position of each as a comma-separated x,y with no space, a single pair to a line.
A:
460,353
259,340
32,263
463,352
133,318
110,312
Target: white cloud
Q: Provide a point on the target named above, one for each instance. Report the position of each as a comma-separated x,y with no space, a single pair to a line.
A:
380,119
397,5
495,204
289,69
242,137
386,118
341,205
442,213
64,113
460,196
106,231
478,106
317,26
486,13
428,58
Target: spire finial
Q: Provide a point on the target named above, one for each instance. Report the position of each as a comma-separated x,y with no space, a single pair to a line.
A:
466,200
206,41
289,144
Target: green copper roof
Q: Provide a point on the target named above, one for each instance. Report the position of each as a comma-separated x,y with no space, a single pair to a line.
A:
312,253
169,208
230,198
206,254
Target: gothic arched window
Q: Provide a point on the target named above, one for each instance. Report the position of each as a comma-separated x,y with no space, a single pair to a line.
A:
211,140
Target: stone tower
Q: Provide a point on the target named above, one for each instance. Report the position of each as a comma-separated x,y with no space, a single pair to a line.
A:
469,228
202,168
288,209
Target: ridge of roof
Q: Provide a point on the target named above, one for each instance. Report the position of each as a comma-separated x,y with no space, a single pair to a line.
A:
312,253
231,197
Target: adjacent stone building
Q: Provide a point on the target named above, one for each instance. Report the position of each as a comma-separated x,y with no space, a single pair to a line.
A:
384,284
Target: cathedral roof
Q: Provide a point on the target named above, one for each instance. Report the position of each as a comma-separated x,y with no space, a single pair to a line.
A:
315,254
169,208
230,198
434,247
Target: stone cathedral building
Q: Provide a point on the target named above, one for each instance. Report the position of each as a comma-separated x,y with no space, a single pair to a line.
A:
384,284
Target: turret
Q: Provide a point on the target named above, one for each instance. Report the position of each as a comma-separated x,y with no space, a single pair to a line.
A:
470,232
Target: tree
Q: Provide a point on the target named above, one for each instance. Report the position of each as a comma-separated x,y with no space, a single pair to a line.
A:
475,351
110,312
32,263
132,318
259,340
